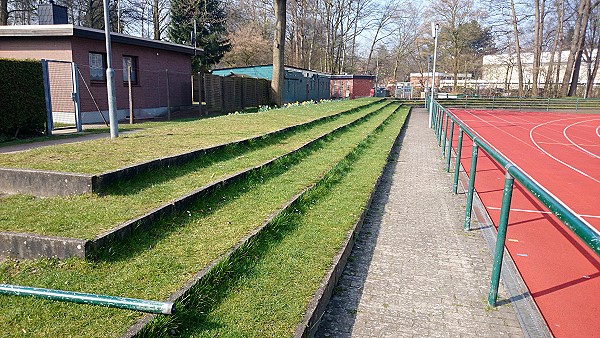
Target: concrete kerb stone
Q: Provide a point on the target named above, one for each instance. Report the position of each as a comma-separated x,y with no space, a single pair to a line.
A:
46,183
141,223
318,304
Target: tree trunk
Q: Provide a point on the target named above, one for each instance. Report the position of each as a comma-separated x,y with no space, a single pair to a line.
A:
156,20
278,51
538,36
517,47
576,44
576,68
3,12
560,8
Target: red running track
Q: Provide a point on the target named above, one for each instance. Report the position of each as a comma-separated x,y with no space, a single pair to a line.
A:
562,153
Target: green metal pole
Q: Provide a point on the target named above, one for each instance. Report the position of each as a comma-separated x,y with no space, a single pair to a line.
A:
91,299
446,118
449,151
458,152
471,188
501,239
440,127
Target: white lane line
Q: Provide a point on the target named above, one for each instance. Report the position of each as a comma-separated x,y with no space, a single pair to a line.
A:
575,144
541,212
598,131
567,144
554,157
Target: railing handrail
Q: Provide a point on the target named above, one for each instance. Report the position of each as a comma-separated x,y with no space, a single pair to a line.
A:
582,229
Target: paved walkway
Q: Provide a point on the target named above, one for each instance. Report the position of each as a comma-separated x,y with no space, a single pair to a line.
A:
413,270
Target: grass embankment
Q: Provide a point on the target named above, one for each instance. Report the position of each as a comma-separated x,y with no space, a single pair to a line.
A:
264,290
94,157
153,264
88,215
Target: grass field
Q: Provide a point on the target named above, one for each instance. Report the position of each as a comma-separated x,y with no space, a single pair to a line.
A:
154,264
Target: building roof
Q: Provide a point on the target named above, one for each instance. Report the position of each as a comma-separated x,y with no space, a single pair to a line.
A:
352,76
91,33
259,71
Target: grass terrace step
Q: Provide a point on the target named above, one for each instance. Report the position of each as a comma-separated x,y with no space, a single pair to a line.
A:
266,289
97,156
53,183
156,263
86,216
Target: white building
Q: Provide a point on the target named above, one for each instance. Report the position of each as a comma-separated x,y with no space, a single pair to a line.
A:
500,70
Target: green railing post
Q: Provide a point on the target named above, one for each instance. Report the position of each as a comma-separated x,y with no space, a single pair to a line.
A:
449,151
458,151
445,135
471,188
442,114
501,239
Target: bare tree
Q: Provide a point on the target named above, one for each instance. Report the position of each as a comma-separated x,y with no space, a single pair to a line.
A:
538,36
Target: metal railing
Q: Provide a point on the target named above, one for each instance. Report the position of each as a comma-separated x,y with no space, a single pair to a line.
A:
134,304
442,119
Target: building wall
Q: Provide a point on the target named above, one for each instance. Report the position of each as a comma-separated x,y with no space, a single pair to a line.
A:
362,87
58,48
149,94
351,87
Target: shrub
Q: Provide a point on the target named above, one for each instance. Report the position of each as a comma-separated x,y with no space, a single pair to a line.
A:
22,102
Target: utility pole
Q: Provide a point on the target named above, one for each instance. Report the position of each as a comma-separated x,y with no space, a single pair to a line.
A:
110,78
434,31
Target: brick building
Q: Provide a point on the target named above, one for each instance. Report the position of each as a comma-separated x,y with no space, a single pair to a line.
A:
161,71
352,86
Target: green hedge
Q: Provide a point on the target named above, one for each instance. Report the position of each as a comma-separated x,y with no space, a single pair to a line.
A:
22,103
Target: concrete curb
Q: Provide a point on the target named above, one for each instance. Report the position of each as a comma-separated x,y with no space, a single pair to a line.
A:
45,183
316,308
46,247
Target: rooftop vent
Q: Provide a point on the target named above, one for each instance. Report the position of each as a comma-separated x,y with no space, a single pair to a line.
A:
52,14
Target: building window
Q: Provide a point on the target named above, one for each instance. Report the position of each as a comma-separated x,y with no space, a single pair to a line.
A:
97,67
127,62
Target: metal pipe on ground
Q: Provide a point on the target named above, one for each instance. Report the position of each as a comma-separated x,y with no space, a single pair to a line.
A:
134,304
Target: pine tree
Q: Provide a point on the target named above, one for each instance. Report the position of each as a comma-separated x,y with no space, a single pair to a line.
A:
210,29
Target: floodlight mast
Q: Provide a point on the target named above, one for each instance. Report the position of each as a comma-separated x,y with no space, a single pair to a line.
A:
110,78
435,28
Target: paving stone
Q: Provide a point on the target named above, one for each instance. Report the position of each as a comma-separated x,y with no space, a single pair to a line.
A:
414,271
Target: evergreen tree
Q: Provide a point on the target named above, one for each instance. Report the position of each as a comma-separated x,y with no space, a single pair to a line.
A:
210,29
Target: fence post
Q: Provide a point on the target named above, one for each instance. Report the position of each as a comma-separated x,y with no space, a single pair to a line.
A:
445,134
548,104
501,238
130,96
458,154
46,78
440,125
76,100
577,105
168,97
471,188
493,101
200,85
449,151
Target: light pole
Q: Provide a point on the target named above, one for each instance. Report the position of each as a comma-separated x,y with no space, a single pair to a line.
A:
429,58
110,78
434,32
